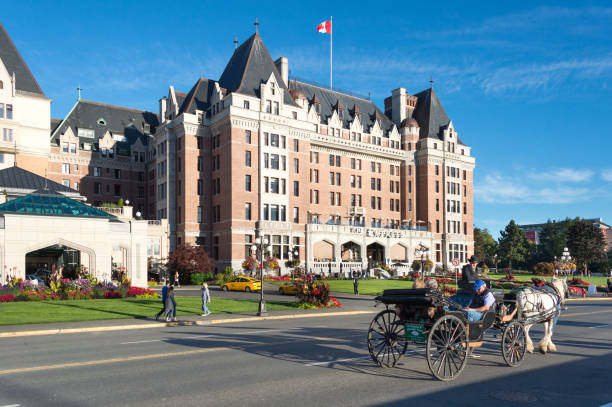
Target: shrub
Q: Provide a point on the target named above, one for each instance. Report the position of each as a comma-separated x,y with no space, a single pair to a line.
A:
7,298
196,278
544,268
226,275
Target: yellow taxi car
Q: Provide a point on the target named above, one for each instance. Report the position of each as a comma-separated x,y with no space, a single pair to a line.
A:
241,283
289,289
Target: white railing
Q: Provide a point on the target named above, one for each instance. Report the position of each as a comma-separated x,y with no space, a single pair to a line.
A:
334,268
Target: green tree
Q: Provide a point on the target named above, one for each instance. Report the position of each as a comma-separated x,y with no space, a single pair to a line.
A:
513,245
552,239
586,243
485,246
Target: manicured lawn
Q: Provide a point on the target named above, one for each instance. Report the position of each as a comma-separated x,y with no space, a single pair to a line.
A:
523,277
35,312
369,287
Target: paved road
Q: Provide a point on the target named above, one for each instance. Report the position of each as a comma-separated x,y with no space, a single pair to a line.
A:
319,361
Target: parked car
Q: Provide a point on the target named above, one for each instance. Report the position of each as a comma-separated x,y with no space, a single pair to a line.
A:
241,283
289,289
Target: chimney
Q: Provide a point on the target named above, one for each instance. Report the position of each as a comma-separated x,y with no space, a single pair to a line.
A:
398,105
162,108
282,64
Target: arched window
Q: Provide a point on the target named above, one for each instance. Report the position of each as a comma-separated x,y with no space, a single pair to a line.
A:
1,85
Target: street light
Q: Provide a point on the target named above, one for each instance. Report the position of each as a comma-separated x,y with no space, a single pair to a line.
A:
566,258
261,244
495,260
421,250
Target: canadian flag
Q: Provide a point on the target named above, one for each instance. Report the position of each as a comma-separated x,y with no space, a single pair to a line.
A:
324,28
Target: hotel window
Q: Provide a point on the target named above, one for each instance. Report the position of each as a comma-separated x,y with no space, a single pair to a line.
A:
274,161
410,205
352,163
359,181
117,174
247,183
199,214
332,198
276,108
266,160
247,158
9,111
268,106
359,200
437,170
437,225
337,161
296,166
294,115
316,157
331,160
7,135
296,188
296,145
352,181
274,212
283,186
247,136
65,168
283,162
378,184
199,142
373,184
378,205
437,186
273,139
97,188
117,189
464,191
392,169
392,205
199,187
1,110
274,185
65,147
391,186
96,171
316,176
66,183
464,208
338,179
247,211
296,215
465,228
373,202
409,186
246,104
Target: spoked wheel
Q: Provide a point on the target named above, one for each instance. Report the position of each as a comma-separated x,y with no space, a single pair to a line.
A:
386,339
514,343
447,350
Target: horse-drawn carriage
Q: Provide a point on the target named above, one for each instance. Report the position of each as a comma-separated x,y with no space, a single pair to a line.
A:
427,317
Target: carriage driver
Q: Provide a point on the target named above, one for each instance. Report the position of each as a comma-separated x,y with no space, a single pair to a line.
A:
482,301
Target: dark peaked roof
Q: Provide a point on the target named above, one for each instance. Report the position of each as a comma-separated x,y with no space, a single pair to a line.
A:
14,63
101,118
430,115
251,65
329,100
198,97
15,177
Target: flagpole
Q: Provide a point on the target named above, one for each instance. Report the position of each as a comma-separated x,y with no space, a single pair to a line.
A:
331,36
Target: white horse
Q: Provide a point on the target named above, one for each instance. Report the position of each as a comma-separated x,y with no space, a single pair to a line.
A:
542,303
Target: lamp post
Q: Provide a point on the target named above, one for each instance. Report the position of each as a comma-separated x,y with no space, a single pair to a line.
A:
261,244
420,251
566,258
495,260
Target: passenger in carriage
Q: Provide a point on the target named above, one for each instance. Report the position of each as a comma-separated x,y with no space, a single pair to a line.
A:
482,301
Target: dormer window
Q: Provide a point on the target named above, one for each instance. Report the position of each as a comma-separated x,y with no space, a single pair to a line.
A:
1,85
273,87
318,108
101,121
341,114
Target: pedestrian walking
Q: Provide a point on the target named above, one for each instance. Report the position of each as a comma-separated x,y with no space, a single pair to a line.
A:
176,279
356,282
205,300
164,295
170,305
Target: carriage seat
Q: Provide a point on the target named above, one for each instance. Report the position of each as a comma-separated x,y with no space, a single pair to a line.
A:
478,328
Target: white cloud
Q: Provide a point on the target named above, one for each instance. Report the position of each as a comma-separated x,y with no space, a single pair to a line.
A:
495,188
562,175
607,174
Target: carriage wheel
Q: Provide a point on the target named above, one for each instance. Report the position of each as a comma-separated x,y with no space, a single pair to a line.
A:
447,348
514,343
386,339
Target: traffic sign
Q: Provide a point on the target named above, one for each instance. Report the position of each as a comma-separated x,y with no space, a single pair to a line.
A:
455,262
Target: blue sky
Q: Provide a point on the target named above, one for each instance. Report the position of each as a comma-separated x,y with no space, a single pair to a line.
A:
528,85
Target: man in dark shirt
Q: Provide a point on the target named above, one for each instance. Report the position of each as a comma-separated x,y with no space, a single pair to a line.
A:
469,272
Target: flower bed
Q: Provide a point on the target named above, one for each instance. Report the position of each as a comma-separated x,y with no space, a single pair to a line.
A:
577,291
7,298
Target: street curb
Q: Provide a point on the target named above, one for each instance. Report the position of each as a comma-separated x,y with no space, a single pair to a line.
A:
589,299
61,331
